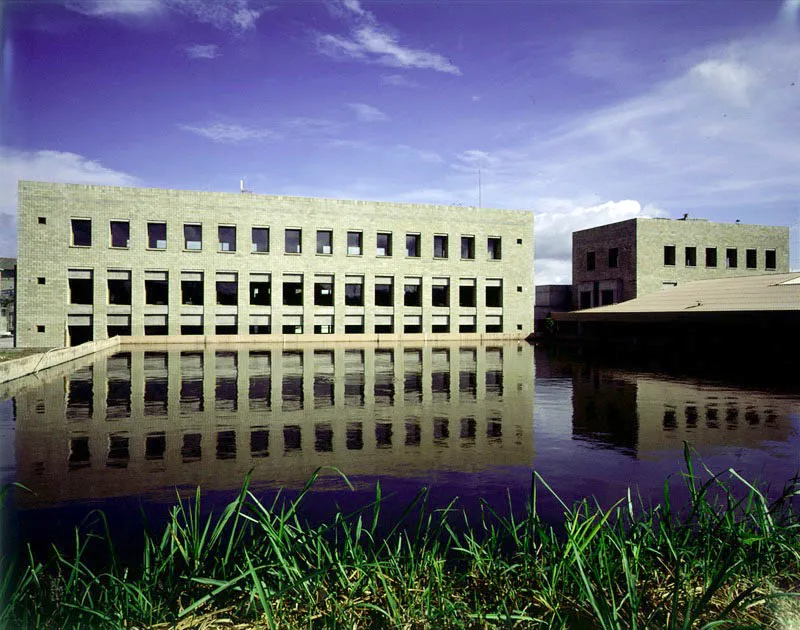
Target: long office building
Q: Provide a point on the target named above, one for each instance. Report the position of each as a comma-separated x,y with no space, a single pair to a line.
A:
99,261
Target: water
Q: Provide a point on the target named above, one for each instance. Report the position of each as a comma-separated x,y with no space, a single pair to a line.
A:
127,433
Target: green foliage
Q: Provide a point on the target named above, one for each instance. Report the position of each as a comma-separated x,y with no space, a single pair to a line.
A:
720,561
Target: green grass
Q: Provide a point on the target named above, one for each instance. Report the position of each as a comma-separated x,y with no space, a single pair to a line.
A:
17,353
730,558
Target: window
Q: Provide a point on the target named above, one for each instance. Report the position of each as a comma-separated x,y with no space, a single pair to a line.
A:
384,244
440,246
440,292
81,286
384,291
711,256
260,289
354,291
192,236
494,293
606,297
669,255
770,259
466,292
585,299
42,221
412,292
412,245
293,241
82,232
494,248
691,256
613,257
120,233
293,289
227,288
324,242
119,287
751,258
227,238
590,261
519,241
192,288
354,244
40,280
731,258
468,247
156,287
323,290
157,235
260,240
40,328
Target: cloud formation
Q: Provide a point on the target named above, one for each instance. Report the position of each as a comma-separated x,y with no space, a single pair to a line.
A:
368,113
398,80
370,42
231,132
202,51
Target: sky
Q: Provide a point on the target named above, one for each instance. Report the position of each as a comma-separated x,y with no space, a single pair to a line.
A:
584,112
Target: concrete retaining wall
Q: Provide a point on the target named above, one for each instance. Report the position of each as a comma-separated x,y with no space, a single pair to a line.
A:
17,368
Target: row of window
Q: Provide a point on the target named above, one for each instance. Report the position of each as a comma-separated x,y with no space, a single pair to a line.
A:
293,240
690,258
156,288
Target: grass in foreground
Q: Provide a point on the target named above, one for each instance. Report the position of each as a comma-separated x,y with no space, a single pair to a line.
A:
729,558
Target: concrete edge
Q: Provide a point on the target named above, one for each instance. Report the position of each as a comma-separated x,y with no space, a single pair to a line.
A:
17,368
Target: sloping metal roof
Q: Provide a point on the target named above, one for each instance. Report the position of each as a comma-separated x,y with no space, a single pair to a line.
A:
771,292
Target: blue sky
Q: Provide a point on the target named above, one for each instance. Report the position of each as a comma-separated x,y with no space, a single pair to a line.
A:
583,112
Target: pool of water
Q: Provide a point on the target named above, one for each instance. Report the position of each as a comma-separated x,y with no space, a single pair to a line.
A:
128,432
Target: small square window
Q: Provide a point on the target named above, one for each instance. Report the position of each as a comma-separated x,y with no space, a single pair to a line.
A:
42,220
292,240
192,236
40,280
324,242
82,232
39,328
519,326
384,244
227,238
157,235
494,248
519,242
519,289
669,255
440,246
354,243
260,240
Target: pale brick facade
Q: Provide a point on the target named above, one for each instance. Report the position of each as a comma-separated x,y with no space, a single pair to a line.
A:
473,267
621,261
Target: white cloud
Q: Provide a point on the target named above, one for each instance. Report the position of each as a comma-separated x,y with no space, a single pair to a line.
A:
398,80
312,126
231,132
368,113
115,8
731,79
48,166
202,51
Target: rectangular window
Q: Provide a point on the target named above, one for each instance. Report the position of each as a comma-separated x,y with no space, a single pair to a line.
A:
466,292
156,287
711,256
412,292
384,291
412,245
227,238
606,297
384,244
192,236
120,234
494,248
669,255
354,291
691,256
293,289
731,258
613,257
260,289
260,237
494,292
751,258
323,290
354,244
192,288
119,287
227,288
440,246
293,241
157,235
81,286
770,259
440,292
82,232
590,261
468,247
324,242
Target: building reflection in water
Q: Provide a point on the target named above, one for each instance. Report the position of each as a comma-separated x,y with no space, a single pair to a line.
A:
145,421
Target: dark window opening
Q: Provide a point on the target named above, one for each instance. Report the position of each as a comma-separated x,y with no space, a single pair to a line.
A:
412,328
193,237
292,438
120,233
669,255
323,438
259,443
323,329
42,220
413,432
40,328
156,330
466,295
731,258
323,293
354,294
82,232
711,256
81,291
118,451
354,436
354,243
192,447
292,293
384,244
494,328
440,246
770,259
293,241
119,291
324,242
40,280
192,292
494,248
191,330
751,259
260,329
468,328
156,291
292,329
155,446
226,445
412,295
79,454
157,235
227,238
260,240
586,299
590,261
468,247
494,296
440,295
691,256
383,295
384,329
606,297
354,329
260,293
440,328
227,292
79,335
226,329
383,435
412,245
613,258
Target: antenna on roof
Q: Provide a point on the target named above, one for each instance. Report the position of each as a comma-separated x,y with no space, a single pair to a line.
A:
242,189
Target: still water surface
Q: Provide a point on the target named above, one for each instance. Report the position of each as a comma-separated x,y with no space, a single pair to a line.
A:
122,432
